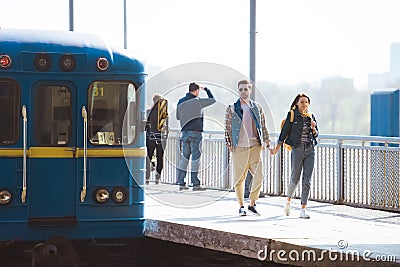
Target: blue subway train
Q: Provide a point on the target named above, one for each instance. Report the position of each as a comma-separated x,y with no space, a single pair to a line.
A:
72,143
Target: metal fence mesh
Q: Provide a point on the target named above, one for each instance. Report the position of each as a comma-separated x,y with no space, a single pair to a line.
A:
384,178
350,174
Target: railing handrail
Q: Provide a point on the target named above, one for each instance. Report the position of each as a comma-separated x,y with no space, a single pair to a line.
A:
339,137
348,169
366,138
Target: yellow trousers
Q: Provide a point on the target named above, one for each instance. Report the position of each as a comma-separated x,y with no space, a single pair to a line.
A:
244,160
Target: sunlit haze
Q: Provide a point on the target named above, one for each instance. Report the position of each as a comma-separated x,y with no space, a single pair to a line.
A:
297,41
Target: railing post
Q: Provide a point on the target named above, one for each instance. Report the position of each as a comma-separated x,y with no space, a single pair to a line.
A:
225,168
178,153
340,172
278,173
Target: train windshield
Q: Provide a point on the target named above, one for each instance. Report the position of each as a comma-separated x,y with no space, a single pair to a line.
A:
10,104
108,102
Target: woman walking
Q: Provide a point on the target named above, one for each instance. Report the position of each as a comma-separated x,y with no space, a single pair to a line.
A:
299,132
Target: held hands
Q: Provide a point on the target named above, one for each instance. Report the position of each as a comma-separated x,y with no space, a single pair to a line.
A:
275,150
264,147
272,151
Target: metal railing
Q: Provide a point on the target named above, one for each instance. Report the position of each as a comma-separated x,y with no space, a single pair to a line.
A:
354,170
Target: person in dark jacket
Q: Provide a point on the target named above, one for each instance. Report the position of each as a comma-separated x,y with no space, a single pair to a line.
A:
156,138
301,135
190,114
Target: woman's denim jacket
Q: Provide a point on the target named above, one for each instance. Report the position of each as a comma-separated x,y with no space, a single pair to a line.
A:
291,131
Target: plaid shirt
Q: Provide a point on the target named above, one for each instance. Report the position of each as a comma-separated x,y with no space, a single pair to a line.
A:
229,113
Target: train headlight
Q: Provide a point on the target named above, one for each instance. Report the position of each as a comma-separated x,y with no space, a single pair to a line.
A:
5,197
67,63
119,195
42,62
5,61
102,63
101,195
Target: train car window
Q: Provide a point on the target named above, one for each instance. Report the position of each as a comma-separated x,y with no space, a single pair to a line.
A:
10,106
108,103
53,115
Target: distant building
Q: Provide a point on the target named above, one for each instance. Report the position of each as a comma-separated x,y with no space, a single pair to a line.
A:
337,84
380,81
391,79
395,58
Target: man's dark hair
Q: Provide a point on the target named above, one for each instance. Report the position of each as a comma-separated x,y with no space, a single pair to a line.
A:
193,87
244,82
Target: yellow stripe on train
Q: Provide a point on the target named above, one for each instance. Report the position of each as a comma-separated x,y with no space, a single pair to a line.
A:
69,152
126,152
12,152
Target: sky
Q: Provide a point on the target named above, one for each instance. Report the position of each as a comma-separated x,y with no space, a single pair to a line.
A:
297,41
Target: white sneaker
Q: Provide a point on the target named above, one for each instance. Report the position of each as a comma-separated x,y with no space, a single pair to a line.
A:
286,208
303,214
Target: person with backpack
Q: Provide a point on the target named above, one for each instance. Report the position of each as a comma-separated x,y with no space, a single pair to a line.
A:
300,133
246,135
156,137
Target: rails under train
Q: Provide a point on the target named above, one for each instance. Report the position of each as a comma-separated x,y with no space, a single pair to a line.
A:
72,143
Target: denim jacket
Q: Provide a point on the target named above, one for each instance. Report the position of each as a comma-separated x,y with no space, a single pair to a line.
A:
291,131
233,123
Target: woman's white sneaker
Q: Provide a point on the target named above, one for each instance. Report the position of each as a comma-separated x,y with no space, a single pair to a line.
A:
303,214
286,208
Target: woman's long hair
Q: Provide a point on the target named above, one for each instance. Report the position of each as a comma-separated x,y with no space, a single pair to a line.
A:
294,103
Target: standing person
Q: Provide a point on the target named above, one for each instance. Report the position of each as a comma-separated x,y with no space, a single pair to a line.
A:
189,113
156,138
246,135
301,135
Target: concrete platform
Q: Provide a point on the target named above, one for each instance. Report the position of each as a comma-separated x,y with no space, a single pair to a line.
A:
336,235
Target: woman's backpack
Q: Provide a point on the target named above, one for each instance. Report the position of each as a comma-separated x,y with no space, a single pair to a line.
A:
288,147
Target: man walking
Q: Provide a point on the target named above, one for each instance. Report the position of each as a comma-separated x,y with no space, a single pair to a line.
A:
246,135
189,113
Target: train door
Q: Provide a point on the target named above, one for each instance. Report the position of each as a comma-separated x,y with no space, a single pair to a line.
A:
52,164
